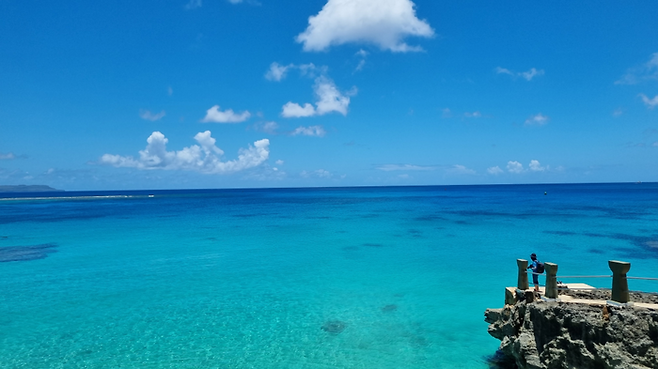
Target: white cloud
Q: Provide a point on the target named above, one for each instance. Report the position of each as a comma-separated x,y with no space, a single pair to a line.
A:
7,156
618,112
214,115
329,99
384,23
446,113
650,103
514,167
317,131
537,120
294,110
535,166
204,157
362,54
170,91
193,4
279,162
235,1
645,72
495,170
396,167
655,144
475,114
323,173
500,70
277,71
311,70
460,169
147,115
528,76
267,127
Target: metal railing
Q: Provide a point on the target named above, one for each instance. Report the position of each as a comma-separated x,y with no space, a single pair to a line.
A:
620,291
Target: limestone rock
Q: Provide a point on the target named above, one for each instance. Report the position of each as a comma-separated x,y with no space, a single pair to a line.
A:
557,335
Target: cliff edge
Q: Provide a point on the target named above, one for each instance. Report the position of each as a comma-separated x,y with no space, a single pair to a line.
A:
597,335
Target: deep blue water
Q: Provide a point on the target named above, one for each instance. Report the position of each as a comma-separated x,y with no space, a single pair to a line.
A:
378,277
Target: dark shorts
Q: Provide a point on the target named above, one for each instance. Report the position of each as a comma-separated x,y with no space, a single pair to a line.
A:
535,278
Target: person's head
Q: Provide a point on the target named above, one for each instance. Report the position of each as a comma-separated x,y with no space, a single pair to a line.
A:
533,256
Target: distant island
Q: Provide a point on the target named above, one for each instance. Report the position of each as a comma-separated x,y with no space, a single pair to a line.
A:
30,188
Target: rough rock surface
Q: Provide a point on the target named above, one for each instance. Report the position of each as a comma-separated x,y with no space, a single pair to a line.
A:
552,335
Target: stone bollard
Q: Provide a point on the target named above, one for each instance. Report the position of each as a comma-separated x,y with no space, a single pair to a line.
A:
522,281
551,280
619,281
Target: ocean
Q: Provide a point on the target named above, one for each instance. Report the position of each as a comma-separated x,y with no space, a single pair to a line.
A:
374,277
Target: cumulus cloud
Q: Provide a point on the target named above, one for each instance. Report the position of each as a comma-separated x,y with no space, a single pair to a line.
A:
650,103
279,162
205,157
384,23
475,114
535,166
7,156
316,131
494,170
147,115
328,99
642,73
528,75
214,115
294,110
537,120
397,167
514,167
277,72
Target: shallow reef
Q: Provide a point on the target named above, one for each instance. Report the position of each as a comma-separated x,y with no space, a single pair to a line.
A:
26,253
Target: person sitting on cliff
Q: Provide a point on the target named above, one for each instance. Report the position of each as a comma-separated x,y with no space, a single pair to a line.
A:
537,268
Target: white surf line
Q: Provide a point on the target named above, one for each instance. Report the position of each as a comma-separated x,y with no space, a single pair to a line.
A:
73,197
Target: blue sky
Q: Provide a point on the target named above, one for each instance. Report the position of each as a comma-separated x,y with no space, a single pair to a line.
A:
230,93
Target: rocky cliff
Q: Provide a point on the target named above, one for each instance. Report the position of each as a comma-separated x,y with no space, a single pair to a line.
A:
551,335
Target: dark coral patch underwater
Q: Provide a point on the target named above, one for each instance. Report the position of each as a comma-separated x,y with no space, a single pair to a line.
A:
334,326
26,253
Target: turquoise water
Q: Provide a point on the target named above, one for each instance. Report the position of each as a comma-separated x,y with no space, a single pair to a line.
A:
249,278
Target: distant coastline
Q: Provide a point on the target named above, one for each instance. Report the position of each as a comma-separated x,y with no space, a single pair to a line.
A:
28,188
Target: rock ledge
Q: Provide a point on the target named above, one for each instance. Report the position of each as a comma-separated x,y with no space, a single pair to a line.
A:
552,335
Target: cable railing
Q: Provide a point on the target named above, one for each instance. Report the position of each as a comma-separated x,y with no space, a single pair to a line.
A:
620,291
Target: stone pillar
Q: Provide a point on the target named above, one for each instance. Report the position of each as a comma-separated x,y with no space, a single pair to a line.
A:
522,281
619,281
551,280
